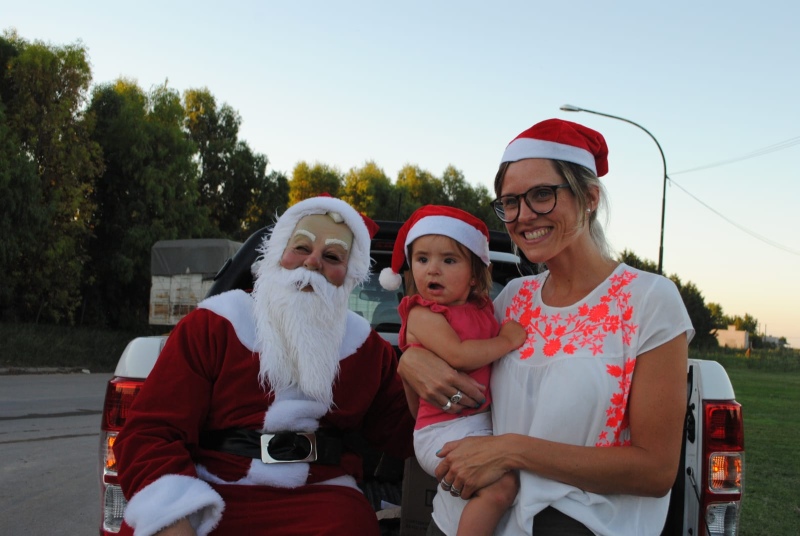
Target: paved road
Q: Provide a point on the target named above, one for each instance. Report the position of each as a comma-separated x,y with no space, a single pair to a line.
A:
49,439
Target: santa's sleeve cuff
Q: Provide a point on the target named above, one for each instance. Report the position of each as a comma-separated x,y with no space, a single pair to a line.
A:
171,498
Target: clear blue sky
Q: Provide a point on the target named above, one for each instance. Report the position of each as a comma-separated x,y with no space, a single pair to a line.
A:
436,83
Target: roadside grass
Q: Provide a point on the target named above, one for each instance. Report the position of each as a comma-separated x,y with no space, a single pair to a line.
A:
771,411
26,346
767,384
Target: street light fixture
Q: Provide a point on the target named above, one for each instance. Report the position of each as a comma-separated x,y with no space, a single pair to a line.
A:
571,108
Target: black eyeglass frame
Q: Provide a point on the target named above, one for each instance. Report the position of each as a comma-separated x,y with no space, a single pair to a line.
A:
496,205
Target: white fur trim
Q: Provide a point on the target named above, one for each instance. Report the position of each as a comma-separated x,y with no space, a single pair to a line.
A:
171,498
237,307
390,280
458,230
522,148
356,332
299,414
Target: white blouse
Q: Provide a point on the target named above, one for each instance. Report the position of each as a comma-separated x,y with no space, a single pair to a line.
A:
570,383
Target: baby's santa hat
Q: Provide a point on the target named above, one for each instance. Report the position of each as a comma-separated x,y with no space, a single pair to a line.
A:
557,139
363,229
452,222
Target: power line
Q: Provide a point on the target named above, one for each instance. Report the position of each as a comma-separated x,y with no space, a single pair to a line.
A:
751,233
781,145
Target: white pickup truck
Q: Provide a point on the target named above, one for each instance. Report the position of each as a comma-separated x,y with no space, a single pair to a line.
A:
705,499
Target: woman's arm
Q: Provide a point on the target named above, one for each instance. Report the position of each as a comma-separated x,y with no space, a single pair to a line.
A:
434,332
647,467
436,381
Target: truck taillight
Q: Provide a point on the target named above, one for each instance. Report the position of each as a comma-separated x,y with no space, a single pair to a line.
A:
120,393
723,467
119,396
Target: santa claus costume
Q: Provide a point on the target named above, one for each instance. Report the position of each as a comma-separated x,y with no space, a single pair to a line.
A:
243,365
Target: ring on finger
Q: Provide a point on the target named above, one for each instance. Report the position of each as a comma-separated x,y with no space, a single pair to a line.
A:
455,492
456,398
446,485
447,406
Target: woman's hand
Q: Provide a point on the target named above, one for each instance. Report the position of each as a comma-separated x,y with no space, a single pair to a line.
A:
436,381
471,463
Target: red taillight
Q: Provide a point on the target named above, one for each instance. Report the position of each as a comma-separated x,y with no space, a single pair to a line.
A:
724,426
119,396
722,484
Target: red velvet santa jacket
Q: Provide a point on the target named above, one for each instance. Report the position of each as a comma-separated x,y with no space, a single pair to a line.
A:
206,378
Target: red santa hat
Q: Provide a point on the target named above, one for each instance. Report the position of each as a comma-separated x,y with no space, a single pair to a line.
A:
452,222
363,229
557,139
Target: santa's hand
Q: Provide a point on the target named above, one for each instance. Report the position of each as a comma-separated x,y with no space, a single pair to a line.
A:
439,383
472,463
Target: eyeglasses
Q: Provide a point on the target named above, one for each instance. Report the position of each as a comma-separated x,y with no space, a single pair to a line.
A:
540,199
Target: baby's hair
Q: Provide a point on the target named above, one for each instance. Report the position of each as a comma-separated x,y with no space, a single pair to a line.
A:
481,272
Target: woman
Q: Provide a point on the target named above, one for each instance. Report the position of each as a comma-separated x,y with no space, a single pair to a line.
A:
589,410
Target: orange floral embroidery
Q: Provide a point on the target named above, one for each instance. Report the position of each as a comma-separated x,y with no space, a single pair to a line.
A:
586,329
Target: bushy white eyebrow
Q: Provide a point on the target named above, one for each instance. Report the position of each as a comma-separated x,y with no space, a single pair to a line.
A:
336,241
304,232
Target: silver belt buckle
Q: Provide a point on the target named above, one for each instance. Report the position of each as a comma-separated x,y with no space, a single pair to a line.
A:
312,455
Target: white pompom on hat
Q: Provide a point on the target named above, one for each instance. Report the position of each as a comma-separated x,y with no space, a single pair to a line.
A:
452,222
556,139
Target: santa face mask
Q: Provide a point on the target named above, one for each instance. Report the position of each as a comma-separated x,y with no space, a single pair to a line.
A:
319,244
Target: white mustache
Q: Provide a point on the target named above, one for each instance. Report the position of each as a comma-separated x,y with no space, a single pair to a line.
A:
300,278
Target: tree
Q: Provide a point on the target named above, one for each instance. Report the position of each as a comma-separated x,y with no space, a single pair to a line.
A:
22,218
147,193
44,91
369,190
632,260
417,187
309,181
746,323
271,201
718,316
231,174
476,200
700,315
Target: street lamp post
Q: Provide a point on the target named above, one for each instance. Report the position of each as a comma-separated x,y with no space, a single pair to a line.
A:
571,108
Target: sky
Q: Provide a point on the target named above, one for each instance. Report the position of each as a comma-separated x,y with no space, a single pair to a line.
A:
439,83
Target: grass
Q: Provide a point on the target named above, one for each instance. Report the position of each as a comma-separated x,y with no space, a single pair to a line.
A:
26,346
767,384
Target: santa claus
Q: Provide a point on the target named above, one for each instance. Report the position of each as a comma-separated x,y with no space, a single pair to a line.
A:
241,427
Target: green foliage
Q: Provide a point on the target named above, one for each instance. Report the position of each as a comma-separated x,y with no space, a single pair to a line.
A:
630,258
368,189
308,181
44,89
232,176
147,193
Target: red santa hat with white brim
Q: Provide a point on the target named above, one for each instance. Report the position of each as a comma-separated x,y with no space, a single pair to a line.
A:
557,139
455,223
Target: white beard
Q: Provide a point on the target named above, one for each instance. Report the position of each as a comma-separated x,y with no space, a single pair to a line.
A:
299,333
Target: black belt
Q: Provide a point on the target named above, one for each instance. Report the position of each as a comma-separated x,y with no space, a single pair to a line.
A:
322,447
